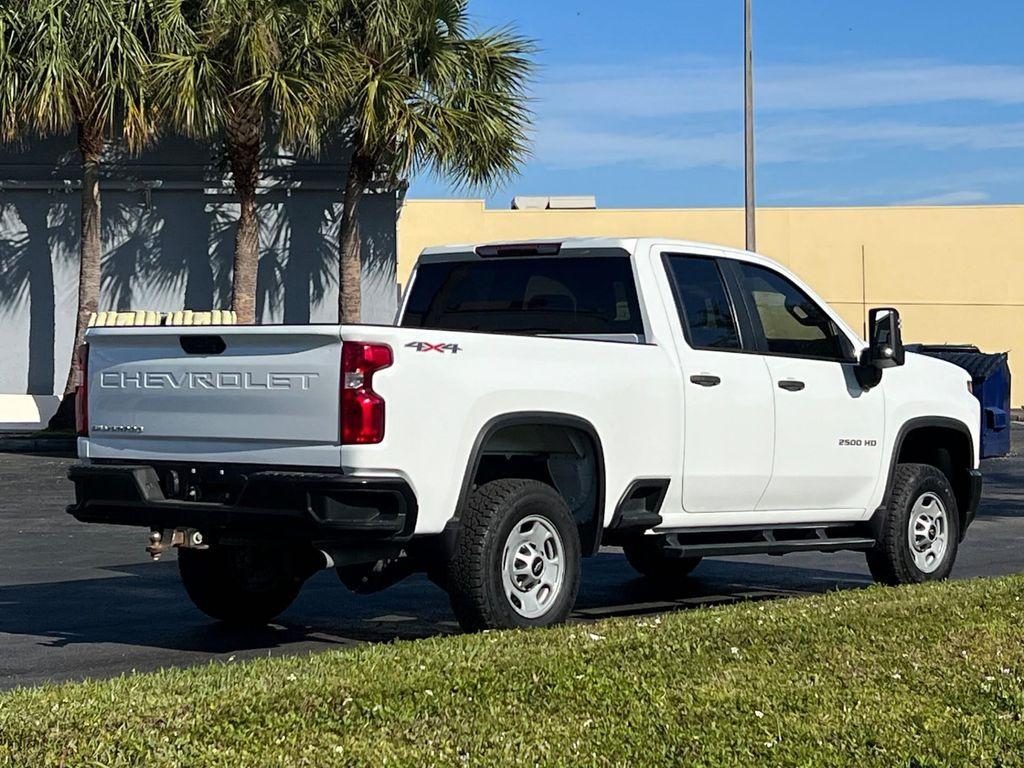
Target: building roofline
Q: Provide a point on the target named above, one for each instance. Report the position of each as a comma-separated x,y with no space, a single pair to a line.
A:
717,209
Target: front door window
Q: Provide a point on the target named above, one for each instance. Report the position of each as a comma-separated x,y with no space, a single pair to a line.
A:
792,323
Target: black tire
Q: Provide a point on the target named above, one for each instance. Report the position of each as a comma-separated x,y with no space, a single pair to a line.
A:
247,586
648,557
474,580
892,561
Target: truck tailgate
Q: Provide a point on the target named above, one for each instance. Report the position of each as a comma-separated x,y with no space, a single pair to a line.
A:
216,384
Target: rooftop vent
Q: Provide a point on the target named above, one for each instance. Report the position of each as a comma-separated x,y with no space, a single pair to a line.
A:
548,203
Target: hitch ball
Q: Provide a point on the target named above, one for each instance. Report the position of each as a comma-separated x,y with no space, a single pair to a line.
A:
196,539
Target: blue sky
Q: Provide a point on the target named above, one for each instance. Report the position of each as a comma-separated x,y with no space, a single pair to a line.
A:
876,102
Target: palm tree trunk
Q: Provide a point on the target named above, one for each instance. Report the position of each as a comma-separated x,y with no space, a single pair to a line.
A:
360,171
244,133
90,146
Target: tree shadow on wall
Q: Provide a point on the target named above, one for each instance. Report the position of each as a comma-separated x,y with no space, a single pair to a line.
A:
299,259
130,233
164,251
34,230
379,248
173,249
299,263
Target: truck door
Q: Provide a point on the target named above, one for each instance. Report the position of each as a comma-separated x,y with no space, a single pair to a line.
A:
728,430
828,430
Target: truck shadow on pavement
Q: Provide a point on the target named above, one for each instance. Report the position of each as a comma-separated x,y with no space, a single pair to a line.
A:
1002,497
146,606
80,617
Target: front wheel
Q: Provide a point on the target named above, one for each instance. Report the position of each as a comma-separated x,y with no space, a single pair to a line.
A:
244,585
919,538
517,559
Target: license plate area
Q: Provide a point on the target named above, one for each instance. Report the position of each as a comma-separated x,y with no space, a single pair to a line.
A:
202,483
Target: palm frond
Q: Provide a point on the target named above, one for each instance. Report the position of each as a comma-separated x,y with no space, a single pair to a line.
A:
189,90
12,74
421,93
75,61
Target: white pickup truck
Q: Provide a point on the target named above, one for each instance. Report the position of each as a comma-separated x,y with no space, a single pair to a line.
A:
534,402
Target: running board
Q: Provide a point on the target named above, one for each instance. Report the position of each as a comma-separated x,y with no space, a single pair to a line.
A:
766,540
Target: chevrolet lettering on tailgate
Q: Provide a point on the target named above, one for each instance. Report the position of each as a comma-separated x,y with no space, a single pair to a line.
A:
240,380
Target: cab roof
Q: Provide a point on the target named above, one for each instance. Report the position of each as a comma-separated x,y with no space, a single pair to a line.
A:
629,244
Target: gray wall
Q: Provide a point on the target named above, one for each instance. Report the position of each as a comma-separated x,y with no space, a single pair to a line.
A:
168,234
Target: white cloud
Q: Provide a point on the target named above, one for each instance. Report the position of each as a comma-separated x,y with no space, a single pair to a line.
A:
960,197
828,140
566,144
922,190
659,89
683,114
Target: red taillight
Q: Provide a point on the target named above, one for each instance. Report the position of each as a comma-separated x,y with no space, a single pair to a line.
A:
82,393
362,409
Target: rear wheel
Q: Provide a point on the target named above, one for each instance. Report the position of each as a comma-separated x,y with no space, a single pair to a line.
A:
919,539
517,559
244,585
649,556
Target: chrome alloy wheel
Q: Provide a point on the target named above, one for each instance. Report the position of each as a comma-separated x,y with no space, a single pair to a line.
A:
533,566
928,532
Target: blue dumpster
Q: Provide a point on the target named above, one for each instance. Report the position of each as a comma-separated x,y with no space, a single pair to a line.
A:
991,381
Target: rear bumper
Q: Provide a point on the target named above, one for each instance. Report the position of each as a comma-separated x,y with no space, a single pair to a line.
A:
251,501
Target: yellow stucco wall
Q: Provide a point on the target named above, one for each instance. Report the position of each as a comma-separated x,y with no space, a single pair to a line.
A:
956,273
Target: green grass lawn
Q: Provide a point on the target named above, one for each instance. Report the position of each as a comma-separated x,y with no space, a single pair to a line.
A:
925,676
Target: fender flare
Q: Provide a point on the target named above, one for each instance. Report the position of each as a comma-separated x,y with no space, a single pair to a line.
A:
590,531
943,422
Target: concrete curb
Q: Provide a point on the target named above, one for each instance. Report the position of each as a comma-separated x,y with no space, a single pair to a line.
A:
26,414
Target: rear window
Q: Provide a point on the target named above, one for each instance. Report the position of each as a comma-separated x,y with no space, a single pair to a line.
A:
580,296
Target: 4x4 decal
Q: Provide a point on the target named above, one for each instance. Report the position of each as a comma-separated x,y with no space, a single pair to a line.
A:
426,346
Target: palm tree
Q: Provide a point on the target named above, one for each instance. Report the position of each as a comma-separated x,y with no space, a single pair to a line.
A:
82,65
230,68
420,92
12,74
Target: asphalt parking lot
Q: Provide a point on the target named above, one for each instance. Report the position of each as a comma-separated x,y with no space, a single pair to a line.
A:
82,601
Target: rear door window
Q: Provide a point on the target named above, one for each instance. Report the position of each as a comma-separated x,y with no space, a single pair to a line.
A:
566,295
705,310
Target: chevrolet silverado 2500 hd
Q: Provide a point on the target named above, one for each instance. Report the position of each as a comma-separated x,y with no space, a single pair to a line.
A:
533,402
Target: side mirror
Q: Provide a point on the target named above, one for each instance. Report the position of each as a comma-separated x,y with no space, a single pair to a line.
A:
885,343
885,346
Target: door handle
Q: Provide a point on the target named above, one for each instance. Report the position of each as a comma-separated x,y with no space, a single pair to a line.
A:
791,385
706,381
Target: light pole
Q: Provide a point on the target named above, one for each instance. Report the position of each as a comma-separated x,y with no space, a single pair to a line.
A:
748,125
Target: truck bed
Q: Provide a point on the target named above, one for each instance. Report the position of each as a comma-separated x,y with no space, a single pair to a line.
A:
271,398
